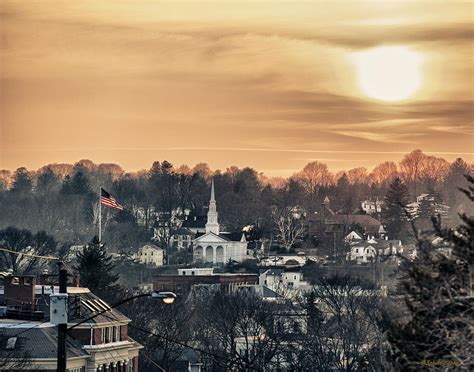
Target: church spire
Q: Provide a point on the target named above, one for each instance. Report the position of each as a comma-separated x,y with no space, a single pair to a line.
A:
213,197
212,225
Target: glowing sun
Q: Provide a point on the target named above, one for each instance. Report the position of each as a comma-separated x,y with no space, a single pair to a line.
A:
391,73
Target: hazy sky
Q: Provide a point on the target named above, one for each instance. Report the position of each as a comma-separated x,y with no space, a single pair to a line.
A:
267,84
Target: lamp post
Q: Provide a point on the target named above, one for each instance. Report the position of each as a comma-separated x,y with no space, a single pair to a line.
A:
166,297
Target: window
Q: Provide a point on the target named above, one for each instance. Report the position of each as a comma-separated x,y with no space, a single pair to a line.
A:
192,272
106,334
11,342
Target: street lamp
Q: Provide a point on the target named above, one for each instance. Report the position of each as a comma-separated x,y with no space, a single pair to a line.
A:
59,310
167,297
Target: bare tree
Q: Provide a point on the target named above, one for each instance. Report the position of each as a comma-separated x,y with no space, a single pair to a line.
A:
384,173
313,176
357,175
23,241
174,323
342,331
237,327
289,226
411,168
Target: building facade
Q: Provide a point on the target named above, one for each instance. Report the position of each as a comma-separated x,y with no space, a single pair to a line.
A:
215,246
150,255
97,345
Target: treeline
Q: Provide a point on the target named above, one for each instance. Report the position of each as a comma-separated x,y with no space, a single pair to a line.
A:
62,199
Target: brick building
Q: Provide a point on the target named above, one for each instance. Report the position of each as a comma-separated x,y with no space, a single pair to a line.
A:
28,341
182,284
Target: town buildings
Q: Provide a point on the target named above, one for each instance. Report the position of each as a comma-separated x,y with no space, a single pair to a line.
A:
370,206
30,341
372,249
215,246
182,283
150,255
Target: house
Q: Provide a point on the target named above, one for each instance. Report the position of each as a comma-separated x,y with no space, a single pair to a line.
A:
150,255
333,227
285,282
98,344
196,224
372,206
363,251
182,238
215,246
412,208
353,236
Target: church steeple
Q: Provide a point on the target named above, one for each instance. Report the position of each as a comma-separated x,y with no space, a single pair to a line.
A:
212,225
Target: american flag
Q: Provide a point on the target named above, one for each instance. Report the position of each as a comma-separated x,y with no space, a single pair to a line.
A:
109,201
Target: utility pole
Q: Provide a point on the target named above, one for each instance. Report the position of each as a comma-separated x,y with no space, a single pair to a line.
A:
62,327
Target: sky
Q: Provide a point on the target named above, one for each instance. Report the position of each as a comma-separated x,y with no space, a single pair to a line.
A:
268,84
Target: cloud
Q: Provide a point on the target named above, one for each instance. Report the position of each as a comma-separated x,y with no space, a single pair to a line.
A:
180,78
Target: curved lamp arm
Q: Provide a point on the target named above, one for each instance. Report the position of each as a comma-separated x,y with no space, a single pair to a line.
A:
167,297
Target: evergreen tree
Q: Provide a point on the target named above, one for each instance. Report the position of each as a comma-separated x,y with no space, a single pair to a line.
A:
439,299
78,184
47,183
22,183
395,214
95,268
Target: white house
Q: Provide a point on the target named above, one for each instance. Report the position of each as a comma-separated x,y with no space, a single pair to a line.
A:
372,206
151,255
363,251
215,246
352,236
283,282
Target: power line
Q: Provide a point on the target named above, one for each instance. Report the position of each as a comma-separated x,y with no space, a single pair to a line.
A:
30,328
29,254
152,361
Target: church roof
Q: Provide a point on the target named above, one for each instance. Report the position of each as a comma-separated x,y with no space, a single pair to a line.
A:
232,236
228,236
195,222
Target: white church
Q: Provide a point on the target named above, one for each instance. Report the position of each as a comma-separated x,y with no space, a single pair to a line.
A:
215,246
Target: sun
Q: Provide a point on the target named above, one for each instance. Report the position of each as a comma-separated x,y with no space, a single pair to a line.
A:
391,73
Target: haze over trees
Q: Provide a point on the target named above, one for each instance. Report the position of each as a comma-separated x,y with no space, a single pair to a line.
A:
62,199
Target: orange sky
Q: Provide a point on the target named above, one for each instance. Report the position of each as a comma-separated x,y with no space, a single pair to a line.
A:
267,84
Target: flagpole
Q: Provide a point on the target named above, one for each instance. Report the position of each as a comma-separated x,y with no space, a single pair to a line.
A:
100,214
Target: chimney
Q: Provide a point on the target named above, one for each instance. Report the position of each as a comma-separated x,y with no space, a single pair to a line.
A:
20,291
